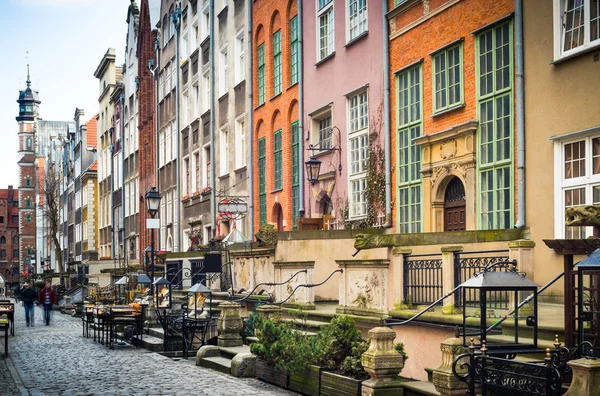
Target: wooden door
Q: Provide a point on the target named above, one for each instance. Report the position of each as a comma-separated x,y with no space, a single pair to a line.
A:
455,206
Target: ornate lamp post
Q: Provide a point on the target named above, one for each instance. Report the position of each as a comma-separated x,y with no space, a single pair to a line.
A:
313,168
152,203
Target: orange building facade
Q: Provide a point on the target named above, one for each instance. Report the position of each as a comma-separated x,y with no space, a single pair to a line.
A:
275,118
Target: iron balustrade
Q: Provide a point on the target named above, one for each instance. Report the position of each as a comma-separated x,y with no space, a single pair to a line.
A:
466,267
268,284
423,281
308,285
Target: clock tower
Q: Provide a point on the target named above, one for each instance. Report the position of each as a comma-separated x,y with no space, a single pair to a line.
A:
28,122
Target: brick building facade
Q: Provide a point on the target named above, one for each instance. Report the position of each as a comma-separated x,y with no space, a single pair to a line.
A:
275,114
9,235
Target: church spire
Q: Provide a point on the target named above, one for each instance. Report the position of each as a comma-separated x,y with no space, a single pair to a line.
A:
28,79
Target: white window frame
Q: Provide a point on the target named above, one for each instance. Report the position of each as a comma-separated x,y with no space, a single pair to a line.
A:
356,22
174,70
161,148
223,70
197,179
205,168
559,20
204,22
331,30
239,56
206,95
240,142
224,151
561,185
358,130
161,86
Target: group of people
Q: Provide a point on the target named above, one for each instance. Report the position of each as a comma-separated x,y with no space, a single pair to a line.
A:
46,298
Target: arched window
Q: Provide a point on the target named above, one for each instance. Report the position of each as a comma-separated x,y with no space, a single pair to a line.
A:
2,241
15,239
28,203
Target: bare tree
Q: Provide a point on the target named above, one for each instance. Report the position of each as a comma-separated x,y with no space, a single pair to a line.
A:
52,210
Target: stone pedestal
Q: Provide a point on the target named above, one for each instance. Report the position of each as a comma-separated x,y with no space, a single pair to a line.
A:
269,311
304,297
229,325
443,379
586,378
382,363
363,287
448,270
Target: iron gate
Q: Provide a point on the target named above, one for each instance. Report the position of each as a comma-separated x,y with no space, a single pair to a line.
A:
423,282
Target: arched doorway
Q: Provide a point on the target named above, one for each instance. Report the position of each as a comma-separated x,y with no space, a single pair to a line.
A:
278,216
454,206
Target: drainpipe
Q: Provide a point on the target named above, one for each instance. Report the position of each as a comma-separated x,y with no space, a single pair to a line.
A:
155,75
300,114
112,190
177,23
213,193
123,175
520,109
386,116
250,128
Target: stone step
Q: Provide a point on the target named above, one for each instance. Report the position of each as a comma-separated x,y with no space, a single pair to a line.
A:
217,363
418,388
230,352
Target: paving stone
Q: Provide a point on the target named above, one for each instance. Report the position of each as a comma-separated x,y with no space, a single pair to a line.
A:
74,365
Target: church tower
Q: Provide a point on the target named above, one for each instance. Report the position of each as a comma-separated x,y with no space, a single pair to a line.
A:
27,120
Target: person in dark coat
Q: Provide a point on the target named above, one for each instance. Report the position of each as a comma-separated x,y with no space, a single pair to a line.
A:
29,296
47,299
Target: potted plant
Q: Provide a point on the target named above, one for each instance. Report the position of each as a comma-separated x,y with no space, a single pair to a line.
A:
271,350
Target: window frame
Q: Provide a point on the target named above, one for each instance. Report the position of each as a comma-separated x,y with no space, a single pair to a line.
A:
278,160
361,135
559,35
240,39
262,180
241,155
224,151
294,47
260,74
223,71
324,11
277,64
295,154
350,16
434,71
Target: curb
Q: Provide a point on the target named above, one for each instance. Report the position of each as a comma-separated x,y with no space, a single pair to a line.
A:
15,375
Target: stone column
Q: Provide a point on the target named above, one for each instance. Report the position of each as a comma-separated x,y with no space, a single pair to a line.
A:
522,251
229,325
383,364
586,378
448,276
397,263
269,311
443,378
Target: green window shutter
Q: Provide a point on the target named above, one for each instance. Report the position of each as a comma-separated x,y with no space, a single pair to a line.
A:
295,174
496,127
261,74
277,62
410,127
262,180
277,153
294,50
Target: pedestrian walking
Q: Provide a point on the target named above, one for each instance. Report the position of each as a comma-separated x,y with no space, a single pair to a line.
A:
47,299
29,296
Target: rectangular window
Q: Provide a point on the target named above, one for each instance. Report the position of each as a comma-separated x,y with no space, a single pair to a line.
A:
207,165
495,126
186,170
223,71
198,173
161,148
294,50
447,78
277,63
240,145
577,26
161,86
168,76
357,18
295,174
325,26
277,159
224,151
174,73
261,73
325,133
262,181
359,153
206,83
408,86
239,57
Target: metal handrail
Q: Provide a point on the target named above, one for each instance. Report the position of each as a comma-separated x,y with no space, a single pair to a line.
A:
308,285
386,322
269,284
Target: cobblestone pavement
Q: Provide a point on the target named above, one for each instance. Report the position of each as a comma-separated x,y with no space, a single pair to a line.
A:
57,360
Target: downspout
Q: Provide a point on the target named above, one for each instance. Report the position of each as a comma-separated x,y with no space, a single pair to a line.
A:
112,190
156,159
386,116
300,114
123,176
178,161
250,128
520,109
213,193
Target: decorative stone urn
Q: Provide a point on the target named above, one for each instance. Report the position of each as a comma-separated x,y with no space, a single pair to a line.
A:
229,325
382,363
443,379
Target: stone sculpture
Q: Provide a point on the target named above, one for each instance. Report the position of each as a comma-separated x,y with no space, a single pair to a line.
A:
368,241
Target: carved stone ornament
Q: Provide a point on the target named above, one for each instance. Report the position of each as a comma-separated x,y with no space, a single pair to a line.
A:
425,7
381,361
444,380
367,241
583,216
443,170
229,325
448,149
266,235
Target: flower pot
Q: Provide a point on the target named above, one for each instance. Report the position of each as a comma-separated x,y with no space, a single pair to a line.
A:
338,385
271,374
307,382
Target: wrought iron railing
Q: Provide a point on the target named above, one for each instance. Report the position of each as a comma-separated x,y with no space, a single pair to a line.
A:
423,281
467,264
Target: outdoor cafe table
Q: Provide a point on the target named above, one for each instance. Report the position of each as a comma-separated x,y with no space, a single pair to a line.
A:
5,325
8,308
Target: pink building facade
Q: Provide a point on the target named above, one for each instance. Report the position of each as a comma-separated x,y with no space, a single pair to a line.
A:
343,109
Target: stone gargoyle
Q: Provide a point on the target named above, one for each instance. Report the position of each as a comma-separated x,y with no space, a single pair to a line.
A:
266,235
582,216
368,241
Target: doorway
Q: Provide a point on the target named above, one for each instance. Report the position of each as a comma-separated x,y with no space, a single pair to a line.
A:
455,206
278,216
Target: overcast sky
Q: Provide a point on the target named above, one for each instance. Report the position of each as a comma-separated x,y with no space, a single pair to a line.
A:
65,41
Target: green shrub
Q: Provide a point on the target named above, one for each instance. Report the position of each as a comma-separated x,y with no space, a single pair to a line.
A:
399,347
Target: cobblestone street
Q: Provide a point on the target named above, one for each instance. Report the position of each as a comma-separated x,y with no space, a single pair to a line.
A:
57,360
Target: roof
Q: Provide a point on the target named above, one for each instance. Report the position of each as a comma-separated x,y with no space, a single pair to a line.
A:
92,131
591,261
94,166
497,280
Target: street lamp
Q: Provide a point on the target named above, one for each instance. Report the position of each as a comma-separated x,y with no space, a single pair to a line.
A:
152,203
313,168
